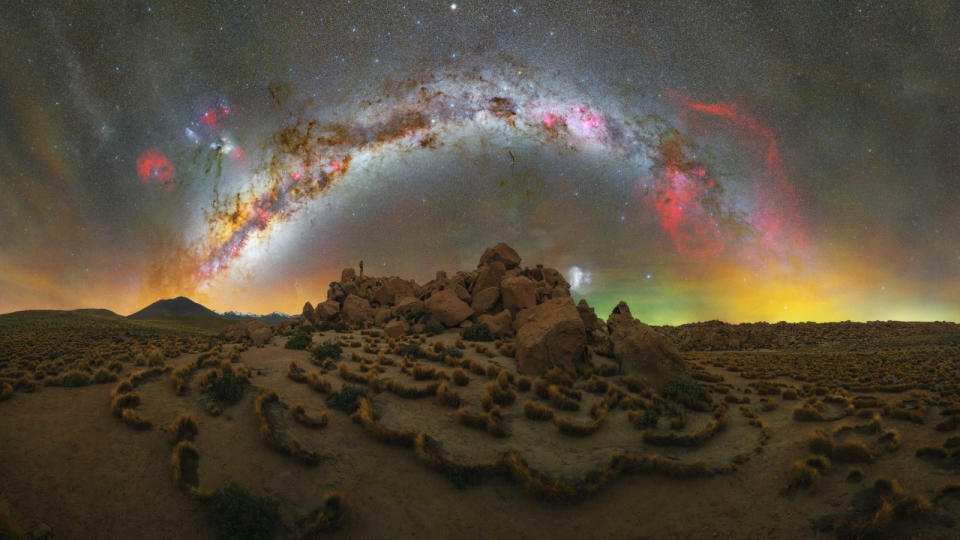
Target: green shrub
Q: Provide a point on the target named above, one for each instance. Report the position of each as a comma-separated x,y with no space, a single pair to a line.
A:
412,349
649,419
346,399
234,512
325,326
452,352
227,388
477,332
328,349
299,341
434,326
679,388
341,327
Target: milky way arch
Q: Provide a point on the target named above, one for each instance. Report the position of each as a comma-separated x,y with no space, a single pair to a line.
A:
307,156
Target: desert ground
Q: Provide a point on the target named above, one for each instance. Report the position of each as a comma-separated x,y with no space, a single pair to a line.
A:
114,429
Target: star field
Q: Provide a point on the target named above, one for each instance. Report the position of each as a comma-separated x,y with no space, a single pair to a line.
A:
701,161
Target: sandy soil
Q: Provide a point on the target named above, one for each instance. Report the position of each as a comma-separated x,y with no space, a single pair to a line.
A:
66,461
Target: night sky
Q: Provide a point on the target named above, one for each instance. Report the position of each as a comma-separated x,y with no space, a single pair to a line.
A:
700,161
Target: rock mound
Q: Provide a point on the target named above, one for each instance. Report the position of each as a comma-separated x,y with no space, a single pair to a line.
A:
532,304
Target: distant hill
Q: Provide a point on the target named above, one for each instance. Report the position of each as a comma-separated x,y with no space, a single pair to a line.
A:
182,313
172,307
97,311
271,318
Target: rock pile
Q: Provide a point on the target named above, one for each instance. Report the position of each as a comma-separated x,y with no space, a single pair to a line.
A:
531,306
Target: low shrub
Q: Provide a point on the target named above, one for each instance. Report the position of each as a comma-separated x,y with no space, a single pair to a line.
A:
300,340
234,512
477,332
346,399
327,349
227,388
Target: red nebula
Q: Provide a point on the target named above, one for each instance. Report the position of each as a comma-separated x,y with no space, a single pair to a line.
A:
678,202
776,213
152,164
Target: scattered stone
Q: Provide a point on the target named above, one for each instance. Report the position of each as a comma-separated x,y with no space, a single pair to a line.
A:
518,293
502,253
642,351
552,335
395,328
448,308
485,299
357,309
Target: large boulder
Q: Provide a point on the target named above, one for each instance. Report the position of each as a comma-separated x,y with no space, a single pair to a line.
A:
499,324
502,253
392,289
519,292
327,311
381,315
446,307
551,336
489,275
408,304
336,293
642,351
357,309
395,328
309,314
485,299
597,332
347,274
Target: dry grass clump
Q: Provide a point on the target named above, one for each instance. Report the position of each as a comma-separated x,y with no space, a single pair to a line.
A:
296,373
596,385
330,517
789,394
536,411
141,375
818,462
181,378
851,452
301,416
820,442
697,438
367,418
319,383
351,376
524,383
447,397
803,476
413,392
275,438
561,400
500,395
131,418
575,429
541,387
460,377
185,462
183,428
491,422
889,440
5,391
806,413
887,504
425,373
